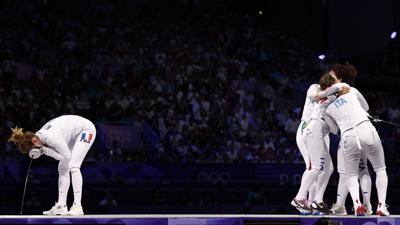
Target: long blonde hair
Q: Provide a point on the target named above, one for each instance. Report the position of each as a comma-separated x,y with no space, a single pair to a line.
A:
23,140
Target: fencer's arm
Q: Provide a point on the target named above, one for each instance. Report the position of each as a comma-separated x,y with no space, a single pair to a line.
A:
56,142
361,99
332,124
324,103
332,90
52,153
312,93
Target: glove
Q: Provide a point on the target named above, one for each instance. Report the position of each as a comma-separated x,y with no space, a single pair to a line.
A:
328,100
35,153
331,98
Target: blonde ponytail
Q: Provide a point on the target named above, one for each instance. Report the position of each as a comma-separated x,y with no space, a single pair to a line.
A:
23,140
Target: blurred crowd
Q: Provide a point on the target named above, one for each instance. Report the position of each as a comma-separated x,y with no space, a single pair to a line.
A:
214,87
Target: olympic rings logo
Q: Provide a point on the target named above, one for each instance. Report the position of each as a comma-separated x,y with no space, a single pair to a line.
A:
214,177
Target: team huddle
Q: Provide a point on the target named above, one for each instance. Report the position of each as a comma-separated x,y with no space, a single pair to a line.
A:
334,107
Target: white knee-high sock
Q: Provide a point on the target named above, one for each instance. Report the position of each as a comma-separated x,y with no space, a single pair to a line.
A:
354,186
77,182
366,184
312,191
381,185
64,181
342,190
322,183
299,195
308,179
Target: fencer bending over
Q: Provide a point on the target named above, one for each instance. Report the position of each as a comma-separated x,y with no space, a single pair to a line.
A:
67,139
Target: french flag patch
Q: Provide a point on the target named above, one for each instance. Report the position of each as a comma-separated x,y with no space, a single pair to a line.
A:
86,137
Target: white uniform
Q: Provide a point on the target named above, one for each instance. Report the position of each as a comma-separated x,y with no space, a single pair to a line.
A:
341,160
340,157
309,106
348,113
68,139
311,136
315,136
313,143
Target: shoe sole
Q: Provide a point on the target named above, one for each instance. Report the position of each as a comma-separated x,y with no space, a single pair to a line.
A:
305,213
380,213
300,209
320,211
55,214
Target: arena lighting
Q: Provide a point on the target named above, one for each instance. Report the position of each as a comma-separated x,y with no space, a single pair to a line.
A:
393,35
321,57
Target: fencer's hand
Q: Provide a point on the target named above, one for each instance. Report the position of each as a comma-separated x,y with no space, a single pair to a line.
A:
328,100
35,153
344,90
331,98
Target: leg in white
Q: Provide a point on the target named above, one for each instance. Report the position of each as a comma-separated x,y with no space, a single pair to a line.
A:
352,156
78,154
60,207
342,191
376,156
323,178
302,193
366,184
